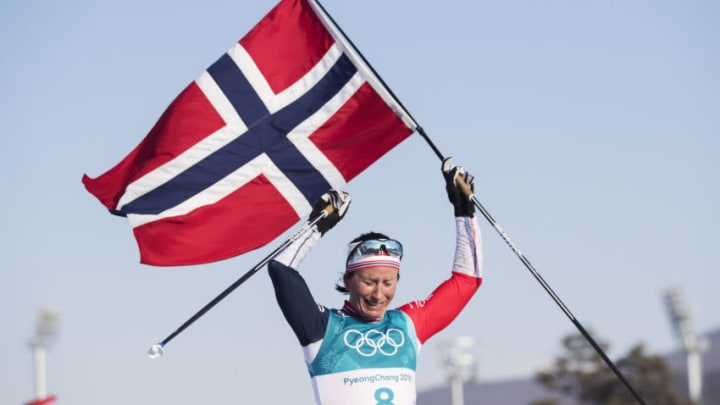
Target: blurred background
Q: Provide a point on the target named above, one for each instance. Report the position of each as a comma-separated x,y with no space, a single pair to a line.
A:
592,129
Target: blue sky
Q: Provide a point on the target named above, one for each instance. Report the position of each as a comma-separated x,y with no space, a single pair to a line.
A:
593,129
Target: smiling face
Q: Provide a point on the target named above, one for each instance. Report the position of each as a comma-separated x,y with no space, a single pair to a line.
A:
372,289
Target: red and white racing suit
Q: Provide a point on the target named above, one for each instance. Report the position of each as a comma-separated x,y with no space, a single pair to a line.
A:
355,361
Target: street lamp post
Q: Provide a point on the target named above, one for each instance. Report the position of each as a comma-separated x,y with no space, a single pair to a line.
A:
460,364
694,346
46,329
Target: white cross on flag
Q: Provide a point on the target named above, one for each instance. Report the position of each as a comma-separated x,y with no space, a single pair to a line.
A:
289,112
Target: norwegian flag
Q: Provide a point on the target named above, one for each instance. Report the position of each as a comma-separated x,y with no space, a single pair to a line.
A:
289,112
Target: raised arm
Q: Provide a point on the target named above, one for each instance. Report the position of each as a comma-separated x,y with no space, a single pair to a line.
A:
306,318
439,309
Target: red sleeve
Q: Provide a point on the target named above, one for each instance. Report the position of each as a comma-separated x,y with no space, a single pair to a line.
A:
433,314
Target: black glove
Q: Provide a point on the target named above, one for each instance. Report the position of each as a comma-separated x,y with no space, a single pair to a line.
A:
339,201
462,202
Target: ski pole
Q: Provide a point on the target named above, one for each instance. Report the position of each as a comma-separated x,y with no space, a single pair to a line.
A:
158,349
469,193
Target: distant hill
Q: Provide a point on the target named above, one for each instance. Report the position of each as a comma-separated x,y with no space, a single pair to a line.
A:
711,358
522,391
508,392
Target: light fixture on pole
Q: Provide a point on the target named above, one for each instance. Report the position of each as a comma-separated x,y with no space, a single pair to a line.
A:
48,324
460,363
694,347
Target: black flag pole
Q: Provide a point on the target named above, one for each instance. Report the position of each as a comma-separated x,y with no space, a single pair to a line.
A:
336,28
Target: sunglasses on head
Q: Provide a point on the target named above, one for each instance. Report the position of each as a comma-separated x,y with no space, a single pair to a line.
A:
376,247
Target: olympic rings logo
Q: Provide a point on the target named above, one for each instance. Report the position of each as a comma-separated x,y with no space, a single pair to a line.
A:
369,343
